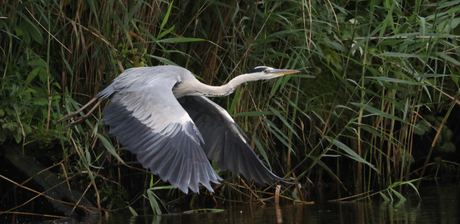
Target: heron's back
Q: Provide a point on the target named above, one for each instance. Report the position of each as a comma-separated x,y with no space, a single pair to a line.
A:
136,79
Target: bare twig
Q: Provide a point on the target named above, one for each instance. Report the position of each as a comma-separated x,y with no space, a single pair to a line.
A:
40,194
353,196
47,30
36,214
405,37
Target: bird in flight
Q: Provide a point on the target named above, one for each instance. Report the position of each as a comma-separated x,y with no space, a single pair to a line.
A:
162,114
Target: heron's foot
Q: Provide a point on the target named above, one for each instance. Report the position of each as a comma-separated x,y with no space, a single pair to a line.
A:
66,117
77,121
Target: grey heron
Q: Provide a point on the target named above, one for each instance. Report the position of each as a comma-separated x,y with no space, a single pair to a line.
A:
163,116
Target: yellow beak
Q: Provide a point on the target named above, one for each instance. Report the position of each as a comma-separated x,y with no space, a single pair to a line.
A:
279,72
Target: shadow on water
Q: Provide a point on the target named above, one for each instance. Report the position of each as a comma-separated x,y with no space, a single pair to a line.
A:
438,205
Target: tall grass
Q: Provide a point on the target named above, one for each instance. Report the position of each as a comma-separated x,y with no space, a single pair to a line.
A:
371,109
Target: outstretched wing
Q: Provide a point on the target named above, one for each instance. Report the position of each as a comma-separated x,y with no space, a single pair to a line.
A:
225,141
150,123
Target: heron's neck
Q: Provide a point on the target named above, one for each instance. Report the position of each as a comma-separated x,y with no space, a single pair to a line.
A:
227,89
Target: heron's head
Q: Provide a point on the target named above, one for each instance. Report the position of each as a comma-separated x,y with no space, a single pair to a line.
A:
264,72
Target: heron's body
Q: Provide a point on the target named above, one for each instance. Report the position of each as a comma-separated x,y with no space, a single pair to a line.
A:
162,115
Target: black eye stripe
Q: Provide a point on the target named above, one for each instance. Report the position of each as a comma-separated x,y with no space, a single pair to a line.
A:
258,69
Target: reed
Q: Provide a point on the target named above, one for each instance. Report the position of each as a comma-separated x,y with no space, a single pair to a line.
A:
373,109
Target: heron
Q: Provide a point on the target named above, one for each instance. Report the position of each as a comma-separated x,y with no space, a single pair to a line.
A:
163,115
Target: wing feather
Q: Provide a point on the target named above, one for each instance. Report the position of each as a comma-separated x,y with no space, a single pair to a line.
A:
150,123
225,141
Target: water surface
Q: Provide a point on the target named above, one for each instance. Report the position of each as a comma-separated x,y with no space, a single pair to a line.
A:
438,205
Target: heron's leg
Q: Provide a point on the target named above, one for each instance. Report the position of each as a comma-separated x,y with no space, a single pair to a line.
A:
81,119
68,116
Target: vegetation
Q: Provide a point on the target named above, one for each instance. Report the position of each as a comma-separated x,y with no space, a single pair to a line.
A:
380,112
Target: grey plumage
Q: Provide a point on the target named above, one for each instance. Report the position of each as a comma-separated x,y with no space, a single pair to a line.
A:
161,114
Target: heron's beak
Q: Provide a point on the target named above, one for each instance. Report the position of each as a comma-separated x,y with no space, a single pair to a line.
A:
280,72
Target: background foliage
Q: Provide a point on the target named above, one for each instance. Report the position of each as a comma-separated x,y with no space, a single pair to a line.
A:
381,112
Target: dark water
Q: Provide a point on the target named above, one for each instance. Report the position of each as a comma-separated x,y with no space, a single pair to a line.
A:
438,205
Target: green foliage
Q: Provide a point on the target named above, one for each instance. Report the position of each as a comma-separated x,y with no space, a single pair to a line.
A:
385,77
